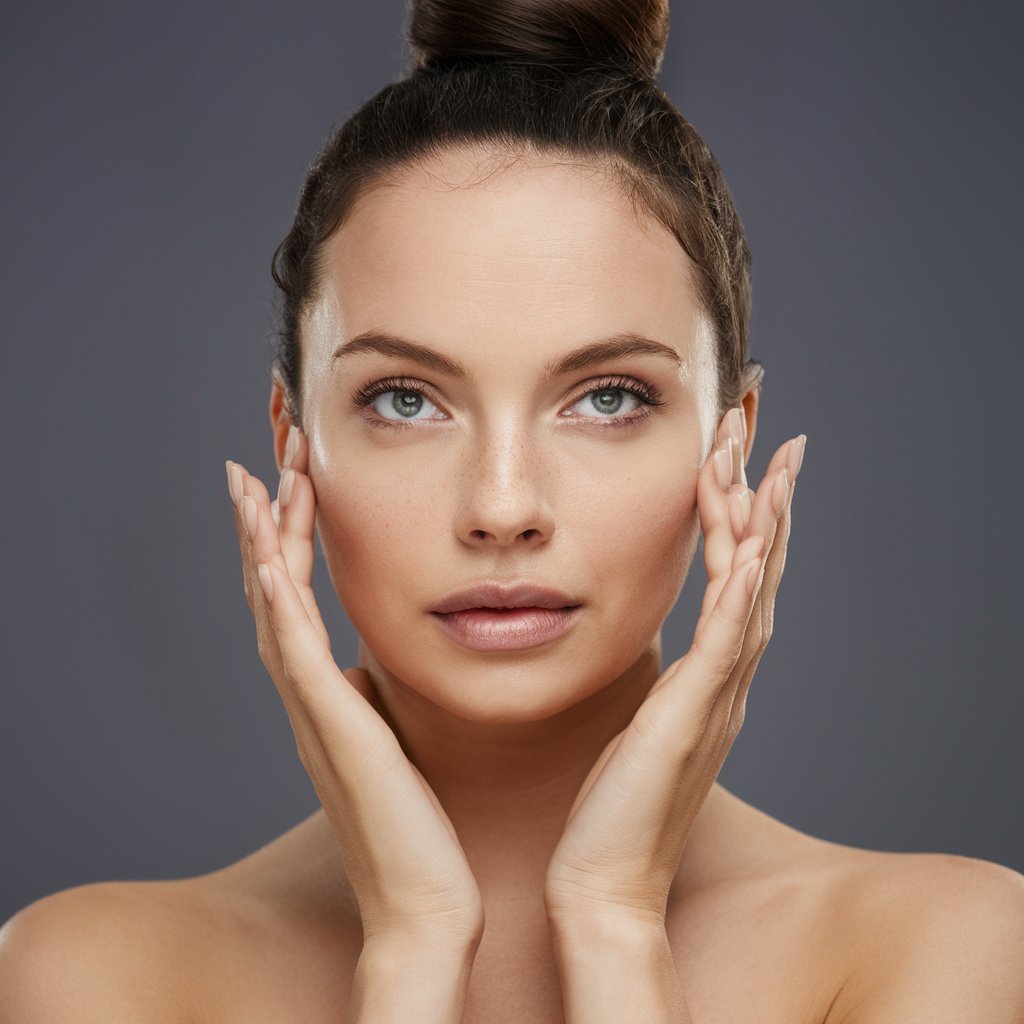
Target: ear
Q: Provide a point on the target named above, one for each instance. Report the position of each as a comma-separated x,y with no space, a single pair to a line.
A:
750,405
280,420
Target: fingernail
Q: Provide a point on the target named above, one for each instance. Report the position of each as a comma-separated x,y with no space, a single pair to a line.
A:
292,444
752,573
723,464
736,424
235,482
739,512
284,492
249,515
780,489
796,455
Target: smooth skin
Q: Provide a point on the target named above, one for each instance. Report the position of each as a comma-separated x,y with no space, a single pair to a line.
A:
539,835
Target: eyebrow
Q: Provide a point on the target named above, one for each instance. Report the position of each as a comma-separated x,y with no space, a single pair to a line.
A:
616,346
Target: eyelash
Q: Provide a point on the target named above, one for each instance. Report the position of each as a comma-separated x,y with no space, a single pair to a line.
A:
647,393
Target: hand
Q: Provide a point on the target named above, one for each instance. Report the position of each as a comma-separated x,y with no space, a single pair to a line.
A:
404,861
625,832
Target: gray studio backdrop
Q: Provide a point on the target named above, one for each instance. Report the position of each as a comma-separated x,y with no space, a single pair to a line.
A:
152,156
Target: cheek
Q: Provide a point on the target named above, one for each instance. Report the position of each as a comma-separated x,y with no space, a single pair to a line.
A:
641,544
373,533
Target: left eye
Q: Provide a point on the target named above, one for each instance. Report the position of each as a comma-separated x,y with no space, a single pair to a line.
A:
608,401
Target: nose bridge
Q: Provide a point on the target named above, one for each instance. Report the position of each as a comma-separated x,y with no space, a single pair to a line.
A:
504,480
505,449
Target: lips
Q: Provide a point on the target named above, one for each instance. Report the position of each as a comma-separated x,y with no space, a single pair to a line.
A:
505,595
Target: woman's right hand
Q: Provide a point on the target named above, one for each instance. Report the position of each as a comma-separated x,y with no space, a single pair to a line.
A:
403,858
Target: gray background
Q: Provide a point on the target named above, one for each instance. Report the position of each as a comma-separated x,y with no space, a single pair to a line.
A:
152,157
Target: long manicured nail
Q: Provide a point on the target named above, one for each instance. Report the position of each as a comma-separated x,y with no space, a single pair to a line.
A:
284,492
796,455
723,464
736,424
292,444
235,482
780,489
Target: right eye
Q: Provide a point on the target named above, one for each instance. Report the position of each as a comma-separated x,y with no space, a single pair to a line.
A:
395,401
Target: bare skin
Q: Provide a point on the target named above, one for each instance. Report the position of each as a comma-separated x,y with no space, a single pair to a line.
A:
765,923
753,924
769,924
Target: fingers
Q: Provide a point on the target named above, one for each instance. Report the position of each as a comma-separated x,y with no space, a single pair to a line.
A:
339,716
735,626
732,709
725,502
293,643
720,543
235,484
296,501
694,682
305,660
764,607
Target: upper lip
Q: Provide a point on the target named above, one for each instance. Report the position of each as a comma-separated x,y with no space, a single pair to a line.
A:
504,595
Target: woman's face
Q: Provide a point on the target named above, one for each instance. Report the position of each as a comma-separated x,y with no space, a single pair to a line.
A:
506,472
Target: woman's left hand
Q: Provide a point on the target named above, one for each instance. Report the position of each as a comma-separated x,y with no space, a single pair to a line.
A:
626,830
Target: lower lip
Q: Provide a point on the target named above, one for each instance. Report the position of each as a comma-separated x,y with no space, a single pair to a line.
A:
507,629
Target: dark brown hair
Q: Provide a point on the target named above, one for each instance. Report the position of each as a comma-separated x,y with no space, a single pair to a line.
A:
570,78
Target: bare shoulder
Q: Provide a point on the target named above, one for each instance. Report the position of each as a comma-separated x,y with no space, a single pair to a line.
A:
927,935
207,948
787,926
100,952
213,947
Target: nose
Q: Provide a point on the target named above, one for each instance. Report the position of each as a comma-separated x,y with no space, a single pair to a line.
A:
504,493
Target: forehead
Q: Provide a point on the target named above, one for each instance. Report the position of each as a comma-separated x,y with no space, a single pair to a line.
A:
540,251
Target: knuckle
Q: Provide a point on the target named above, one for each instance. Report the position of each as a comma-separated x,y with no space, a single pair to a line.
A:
719,659
654,727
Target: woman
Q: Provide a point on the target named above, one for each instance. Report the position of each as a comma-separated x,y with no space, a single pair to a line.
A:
513,375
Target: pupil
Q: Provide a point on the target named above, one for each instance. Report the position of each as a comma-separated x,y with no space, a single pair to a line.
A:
407,402
609,399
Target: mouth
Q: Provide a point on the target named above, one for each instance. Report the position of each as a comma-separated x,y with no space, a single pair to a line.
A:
505,595
507,629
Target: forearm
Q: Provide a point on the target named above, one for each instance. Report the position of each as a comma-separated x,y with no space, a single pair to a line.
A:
613,970
402,980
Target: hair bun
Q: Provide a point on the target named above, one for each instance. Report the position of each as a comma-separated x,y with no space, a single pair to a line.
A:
572,35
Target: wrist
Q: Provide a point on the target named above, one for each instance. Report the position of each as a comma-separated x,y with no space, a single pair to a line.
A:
603,919
413,975
422,943
607,928
615,966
